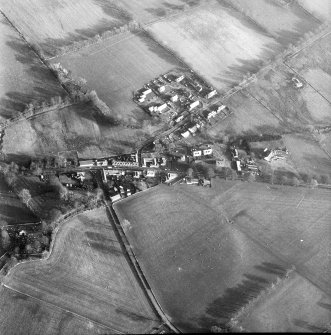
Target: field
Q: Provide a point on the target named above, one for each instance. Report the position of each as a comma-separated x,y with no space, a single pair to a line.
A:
202,269
313,64
277,313
21,314
285,24
249,116
297,108
12,210
118,67
319,8
23,77
218,42
306,155
52,24
78,127
87,275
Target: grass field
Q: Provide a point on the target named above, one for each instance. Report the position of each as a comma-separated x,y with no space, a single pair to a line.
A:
276,312
313,64
319,8
21,314
286,24
249,116
54,23
203,269
306,154
87,274
78,127
297,108
118,67
218,42
23,77
12,210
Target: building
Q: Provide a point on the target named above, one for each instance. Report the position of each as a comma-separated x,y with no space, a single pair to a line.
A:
115,197
137,174
194,104
150,162
197,153
186,134
146,92
116,173
208,114
161,108
171,176
179,79
81,176
161,89
238,166
211,94
194,128
123,164
208,152
86,164
150,173
102,162
180,118
174,98
192,181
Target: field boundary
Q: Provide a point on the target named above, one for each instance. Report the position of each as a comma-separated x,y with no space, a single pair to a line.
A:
60,308
135,264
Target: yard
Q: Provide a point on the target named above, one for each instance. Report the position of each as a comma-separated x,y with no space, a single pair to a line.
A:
119,66
203,269
23,77
86,275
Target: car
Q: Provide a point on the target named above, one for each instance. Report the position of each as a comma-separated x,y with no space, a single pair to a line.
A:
297,82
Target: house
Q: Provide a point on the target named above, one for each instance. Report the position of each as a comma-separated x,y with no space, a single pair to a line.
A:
220,109
174,98
102,163
137,174
194,104
115,197
207,152
186,134
197,153
162,107
171,176
179,79
208,114
146,92
150,173
194,129
161,89
150,162
211,94
180,118
111,173
88,163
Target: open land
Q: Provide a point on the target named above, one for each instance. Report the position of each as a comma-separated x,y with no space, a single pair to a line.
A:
210,39
313,64
297,108
24,78
18,310
52,24
87,274
116,68
183,244
276,311
319,8
285,23
78,127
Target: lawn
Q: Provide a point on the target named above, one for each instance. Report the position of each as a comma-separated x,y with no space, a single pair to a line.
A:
23,77
119,66
87,274
21,314
286,24
277,312
202,269
78,127
51,24
218,42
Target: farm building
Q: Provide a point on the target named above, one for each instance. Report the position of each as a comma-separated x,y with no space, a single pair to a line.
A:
88,163
150,173
121,163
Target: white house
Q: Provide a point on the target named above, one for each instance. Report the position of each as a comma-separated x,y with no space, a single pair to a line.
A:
174,98
179,79
194,104
186,134
197,153
211,94
207,151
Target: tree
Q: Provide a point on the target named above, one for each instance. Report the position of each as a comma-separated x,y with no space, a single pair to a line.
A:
189,172
5,239
25,196
313,183
295,181
210,173
325,179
